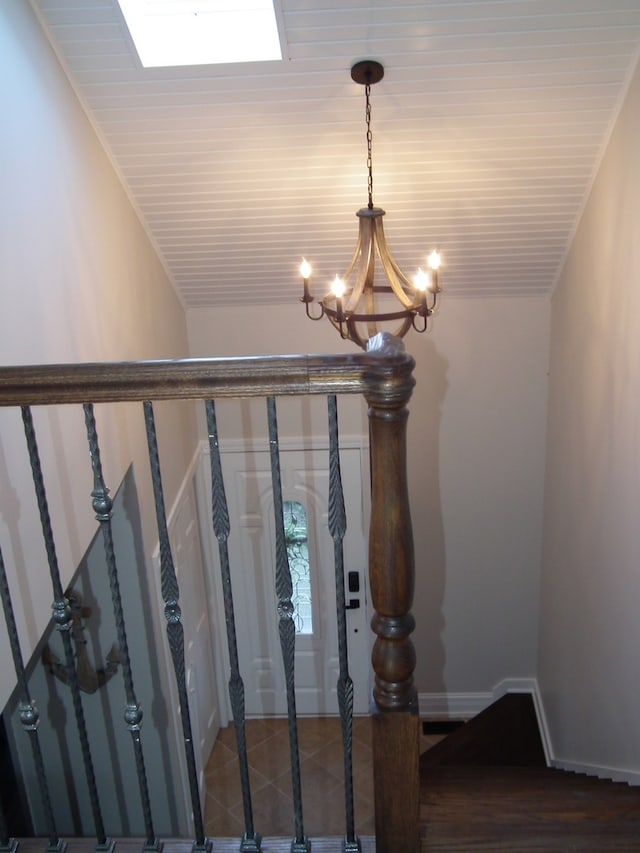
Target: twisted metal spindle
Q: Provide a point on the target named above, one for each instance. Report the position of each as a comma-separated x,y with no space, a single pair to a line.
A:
29,718
62,620
175,631
103,508
337,529
251,840
286,626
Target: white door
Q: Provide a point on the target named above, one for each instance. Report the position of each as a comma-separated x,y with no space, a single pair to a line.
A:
305,487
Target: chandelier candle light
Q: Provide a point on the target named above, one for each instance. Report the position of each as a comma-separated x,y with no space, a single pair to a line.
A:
352,307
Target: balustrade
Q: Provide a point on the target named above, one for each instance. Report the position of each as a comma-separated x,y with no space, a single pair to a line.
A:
384,377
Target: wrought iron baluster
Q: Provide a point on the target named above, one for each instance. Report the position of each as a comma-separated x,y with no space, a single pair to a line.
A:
62,620
175,631
103,507
251,840
286,627
7,844
337,529
29,718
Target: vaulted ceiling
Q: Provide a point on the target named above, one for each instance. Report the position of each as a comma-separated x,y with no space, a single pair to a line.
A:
487,129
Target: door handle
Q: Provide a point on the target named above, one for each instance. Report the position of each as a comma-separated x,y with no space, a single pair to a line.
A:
354,604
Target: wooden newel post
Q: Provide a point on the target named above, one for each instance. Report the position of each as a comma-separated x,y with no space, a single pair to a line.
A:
395,716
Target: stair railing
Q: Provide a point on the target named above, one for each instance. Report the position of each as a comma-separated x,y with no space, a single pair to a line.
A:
384,377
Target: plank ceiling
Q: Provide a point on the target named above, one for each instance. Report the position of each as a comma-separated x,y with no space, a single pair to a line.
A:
487,129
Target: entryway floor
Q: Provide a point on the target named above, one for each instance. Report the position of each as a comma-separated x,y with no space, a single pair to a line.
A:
321,768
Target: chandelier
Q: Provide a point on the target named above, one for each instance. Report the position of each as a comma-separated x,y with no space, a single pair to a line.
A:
355,305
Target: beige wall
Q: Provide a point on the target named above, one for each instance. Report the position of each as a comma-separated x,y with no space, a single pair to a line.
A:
590,631
80,281
476,451
477,438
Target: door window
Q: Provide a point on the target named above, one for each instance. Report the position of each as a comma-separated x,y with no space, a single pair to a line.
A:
296,536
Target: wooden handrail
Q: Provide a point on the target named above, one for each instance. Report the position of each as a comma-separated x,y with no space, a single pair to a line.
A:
199,378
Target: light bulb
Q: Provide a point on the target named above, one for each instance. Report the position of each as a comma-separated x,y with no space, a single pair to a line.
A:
434,260
305,269
421,280
338,287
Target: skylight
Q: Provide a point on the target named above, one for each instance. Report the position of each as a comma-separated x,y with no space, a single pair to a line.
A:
202,32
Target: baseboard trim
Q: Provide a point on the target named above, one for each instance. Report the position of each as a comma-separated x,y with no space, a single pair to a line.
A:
452,706
530,685
613,774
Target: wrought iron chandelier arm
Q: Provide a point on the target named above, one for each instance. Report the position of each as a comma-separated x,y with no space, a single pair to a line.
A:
419,325
311,301
307,298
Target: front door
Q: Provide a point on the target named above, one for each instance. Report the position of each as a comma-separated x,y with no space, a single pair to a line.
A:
305,486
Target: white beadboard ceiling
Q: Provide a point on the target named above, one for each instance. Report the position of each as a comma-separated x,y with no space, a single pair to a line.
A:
487,130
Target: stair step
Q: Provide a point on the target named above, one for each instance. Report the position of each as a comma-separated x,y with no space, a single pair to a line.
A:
519,808
486,787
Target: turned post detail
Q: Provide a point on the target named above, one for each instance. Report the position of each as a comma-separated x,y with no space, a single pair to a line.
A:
395,717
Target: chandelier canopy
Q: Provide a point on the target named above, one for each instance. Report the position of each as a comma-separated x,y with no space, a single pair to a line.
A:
355,304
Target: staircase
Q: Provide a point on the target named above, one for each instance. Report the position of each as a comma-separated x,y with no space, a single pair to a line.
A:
486,787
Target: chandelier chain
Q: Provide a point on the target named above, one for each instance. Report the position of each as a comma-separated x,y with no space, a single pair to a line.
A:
369,144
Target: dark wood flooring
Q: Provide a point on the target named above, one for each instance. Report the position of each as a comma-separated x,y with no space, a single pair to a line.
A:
486,788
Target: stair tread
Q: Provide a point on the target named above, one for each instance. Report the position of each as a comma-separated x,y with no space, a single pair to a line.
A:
506,808
544,782
486,787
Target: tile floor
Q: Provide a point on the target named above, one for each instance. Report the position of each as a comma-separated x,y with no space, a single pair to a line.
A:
321,767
